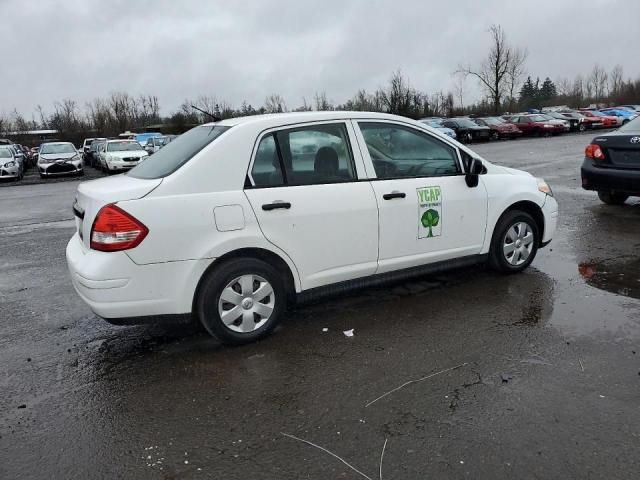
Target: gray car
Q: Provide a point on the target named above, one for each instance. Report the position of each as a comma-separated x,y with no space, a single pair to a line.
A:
59,158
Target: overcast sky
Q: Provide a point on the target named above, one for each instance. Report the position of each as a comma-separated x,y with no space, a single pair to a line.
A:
239,50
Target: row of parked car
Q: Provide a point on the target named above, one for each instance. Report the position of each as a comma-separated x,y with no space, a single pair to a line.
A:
123,152
484,128
63,158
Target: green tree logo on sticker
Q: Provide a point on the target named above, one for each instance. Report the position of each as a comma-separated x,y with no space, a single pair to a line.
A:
430,219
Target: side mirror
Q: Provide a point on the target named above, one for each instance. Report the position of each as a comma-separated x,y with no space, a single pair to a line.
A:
474,169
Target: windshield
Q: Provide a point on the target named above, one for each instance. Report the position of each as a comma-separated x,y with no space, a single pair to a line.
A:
5,153
598,114
170,158
539,118
52,148
632,127
492,121
123,146
465,122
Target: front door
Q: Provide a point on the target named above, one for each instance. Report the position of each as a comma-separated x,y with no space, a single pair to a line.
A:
308,201
427,213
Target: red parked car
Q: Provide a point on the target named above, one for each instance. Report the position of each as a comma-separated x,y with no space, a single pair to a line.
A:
500,128
537,124
607,121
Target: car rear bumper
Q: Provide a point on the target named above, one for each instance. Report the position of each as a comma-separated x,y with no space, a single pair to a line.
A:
115,287
610,179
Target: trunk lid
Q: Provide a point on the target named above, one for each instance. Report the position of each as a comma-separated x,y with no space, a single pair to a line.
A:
621,151
94,195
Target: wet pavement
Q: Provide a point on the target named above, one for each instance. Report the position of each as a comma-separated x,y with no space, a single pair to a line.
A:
547,383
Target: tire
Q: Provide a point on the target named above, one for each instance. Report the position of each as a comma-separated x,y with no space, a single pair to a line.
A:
611,198
227,279
514,228
582,127
495,136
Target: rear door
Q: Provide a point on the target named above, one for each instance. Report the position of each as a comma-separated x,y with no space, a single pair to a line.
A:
305,192
427,211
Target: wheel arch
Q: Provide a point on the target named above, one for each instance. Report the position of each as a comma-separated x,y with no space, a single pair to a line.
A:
532,209
252,252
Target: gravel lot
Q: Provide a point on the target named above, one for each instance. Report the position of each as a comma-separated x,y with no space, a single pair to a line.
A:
546,385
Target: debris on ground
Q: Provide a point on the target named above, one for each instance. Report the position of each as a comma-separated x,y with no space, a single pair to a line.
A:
348,333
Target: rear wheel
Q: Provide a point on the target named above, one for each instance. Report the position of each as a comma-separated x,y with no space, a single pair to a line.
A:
241,301
515,242
611,198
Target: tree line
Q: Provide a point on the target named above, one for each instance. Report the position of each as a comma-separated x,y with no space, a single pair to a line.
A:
502,76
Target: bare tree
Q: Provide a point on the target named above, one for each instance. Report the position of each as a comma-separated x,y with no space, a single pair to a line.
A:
563,86
274,103
598,81
617,80
493,74
321,102
459,81
515,72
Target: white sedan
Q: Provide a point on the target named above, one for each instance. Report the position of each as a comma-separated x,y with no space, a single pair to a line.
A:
120,155
234,219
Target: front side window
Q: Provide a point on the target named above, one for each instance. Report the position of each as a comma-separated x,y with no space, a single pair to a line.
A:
313,155
397,151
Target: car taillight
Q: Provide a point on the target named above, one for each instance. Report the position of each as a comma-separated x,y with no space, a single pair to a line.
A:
114,230
594,151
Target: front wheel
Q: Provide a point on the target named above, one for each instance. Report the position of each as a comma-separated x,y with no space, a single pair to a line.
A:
582,127
241,301
495,136
611,198
515,242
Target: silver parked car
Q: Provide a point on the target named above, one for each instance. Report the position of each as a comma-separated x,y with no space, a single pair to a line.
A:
10,165
59,158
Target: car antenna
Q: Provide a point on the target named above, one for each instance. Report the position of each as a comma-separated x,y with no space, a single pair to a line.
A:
215,117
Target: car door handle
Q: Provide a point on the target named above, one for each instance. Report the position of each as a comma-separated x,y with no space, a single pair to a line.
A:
392,195
275,205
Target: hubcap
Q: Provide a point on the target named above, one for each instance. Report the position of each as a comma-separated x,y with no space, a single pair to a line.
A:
246,303
518,243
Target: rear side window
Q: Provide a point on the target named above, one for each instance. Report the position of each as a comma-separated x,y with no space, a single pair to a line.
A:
170,158
313,155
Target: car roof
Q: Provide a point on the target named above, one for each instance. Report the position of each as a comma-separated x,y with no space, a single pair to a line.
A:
56,143
122,140
274,119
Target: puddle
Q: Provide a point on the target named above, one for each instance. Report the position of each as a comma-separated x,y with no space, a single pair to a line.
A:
621,277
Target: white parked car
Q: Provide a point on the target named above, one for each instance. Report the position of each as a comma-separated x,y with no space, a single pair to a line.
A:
10,166
232,220
59,158
120,155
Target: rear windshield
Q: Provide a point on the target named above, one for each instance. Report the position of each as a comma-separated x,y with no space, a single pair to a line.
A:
631,127
170,158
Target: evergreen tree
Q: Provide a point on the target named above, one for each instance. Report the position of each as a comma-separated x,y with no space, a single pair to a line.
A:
528,91
548,90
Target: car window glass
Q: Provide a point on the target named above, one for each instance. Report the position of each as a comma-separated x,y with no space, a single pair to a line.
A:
316,154
398,151
266,171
